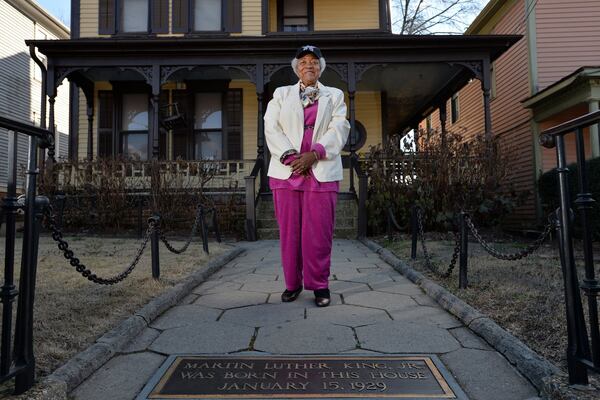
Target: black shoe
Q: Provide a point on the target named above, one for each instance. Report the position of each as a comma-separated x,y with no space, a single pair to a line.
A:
288,295
322,297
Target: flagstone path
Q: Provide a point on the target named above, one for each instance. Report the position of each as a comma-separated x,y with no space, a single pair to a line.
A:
374,311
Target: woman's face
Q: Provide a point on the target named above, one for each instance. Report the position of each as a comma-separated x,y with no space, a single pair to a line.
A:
309,68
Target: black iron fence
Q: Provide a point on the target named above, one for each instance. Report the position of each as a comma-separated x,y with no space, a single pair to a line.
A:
464,228
580,356
16,350
16,359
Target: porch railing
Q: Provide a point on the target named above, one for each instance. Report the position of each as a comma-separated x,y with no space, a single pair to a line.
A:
224,174
252,190
19,362
363,181
580,357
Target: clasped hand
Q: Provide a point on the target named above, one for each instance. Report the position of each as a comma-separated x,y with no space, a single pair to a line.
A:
303,162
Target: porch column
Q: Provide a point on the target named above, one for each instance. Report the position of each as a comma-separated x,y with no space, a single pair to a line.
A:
352,109
416,136
594,105
154,126
443,119
73,122
52,126
486,87
89,99
260,138
155,104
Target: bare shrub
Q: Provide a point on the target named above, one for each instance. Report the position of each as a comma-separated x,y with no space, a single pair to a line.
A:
446,175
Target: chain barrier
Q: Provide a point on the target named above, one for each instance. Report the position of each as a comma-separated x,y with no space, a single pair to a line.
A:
510,256
428,263
79,266
169,246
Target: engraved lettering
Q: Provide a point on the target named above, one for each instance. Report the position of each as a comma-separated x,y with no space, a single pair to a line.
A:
250,375
218,365
397,375
296,374
264,386
364,365
197,375
341,375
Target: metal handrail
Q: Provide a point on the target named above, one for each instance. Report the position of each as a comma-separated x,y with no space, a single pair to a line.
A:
251,199
22,366
44,135
362,196
570,126
580,355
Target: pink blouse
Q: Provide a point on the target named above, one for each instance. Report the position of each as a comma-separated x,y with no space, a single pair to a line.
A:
306,182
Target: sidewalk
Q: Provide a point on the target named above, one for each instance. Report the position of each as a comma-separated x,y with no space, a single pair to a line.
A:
374,311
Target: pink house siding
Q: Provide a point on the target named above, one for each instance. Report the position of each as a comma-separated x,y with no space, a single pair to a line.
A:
510,120
567,37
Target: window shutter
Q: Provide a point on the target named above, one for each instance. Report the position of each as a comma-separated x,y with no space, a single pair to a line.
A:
181,15
106,17
160,16
233,16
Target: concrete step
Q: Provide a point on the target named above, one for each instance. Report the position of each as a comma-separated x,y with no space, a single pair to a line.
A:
340,223
273,233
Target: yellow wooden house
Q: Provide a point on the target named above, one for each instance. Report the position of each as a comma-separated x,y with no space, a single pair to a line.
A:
190,79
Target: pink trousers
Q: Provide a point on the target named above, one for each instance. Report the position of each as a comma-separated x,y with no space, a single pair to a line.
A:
306,220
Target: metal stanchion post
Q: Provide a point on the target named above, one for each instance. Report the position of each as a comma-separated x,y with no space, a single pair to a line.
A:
154,240
464,243
414,232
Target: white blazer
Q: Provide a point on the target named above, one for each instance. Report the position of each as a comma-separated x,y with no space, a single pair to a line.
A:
284,129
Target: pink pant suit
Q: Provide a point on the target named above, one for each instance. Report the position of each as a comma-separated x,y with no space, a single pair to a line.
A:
305,212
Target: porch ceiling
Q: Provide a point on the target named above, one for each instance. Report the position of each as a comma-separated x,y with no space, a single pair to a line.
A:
415,72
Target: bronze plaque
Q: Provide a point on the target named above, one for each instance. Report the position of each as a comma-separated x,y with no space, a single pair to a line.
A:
206,377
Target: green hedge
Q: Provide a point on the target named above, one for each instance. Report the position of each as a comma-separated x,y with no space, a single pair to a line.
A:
550,194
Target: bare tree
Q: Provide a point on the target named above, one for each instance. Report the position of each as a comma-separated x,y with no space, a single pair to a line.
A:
419,17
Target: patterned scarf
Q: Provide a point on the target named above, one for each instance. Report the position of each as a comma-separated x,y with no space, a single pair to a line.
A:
308,94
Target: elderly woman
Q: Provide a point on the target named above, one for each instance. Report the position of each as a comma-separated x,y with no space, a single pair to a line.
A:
306,129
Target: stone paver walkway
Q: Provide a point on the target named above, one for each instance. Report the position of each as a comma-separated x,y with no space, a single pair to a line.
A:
374,310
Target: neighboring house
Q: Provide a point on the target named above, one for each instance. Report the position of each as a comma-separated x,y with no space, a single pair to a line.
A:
21,79
221,60
550,76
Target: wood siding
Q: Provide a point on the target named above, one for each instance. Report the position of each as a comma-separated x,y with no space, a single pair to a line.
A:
346,14
251,19
549,155
328,15
510,120
368,112
20,87
567,37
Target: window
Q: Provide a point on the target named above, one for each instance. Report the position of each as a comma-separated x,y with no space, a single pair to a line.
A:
134,15
295,15
194,16
105,123
207,15
134,126
428,123
455,108
208,124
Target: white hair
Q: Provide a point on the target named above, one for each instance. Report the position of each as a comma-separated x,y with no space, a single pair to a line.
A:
322,65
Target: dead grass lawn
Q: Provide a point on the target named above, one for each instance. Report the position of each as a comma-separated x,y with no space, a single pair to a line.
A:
526,297
72,312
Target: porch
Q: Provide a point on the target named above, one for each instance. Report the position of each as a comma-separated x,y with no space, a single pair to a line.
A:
202,101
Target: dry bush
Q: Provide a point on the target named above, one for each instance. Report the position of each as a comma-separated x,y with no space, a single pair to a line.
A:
115,194
445,176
